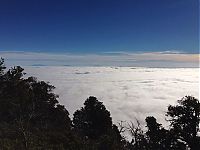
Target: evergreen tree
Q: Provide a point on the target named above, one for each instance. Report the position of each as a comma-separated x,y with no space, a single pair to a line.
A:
31,116
184,119
94,124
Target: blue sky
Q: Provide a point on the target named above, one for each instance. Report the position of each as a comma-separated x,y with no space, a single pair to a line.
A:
98,26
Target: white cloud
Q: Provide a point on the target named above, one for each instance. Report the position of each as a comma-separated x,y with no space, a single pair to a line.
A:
127,92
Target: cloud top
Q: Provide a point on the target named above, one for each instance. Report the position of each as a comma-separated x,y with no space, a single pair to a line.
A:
128,93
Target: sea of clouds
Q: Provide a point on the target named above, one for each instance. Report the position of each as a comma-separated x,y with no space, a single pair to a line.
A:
127,92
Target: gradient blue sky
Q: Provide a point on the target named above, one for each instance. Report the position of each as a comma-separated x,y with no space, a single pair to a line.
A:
96,26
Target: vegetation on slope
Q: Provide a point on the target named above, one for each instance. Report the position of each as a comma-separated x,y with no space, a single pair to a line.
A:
31,118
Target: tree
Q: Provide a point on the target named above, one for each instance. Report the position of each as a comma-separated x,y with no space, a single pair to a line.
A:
139,141
92,120
93,124
154,133
31,116
2,66
159,138
184,120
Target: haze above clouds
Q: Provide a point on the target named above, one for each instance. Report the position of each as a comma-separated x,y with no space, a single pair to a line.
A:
172,59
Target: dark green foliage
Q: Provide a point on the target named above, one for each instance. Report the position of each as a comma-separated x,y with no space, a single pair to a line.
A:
93,123
93,120
154,134
159,138
32,119
2,66
30,114
184,119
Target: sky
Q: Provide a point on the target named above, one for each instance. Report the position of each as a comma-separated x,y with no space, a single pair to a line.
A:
86,26
100,27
